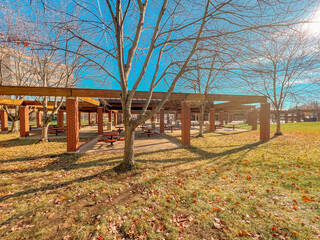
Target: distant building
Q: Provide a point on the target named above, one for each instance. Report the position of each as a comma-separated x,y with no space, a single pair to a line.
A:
19,69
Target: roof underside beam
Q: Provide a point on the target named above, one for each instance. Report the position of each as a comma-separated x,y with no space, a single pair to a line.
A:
104,93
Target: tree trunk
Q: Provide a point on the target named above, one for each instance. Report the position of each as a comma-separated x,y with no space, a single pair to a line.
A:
44,132
201,118
15,126
128,162
46,123
278,132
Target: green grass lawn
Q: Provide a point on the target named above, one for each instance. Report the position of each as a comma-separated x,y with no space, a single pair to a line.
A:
226,186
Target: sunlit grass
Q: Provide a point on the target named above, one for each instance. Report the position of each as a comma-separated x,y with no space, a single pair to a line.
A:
225,186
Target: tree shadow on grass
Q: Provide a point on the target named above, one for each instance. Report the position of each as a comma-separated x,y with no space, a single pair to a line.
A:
17,142
203,155
64,161
53,186
26,159
219,134
68,162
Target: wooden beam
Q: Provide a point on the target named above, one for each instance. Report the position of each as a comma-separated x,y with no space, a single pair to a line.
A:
9,101
90,100
240,107
105,93
231,104
294,111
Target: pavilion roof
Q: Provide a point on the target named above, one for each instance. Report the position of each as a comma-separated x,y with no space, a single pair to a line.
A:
90,99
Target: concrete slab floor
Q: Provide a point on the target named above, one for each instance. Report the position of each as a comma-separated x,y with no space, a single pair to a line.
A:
142,143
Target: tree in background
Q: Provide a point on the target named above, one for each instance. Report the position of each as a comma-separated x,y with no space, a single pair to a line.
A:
39,60
275,63
205,74
14,66
56,68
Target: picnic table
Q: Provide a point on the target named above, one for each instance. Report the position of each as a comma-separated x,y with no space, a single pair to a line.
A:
143,127
120,129
149,131
58,130
112,137
170,127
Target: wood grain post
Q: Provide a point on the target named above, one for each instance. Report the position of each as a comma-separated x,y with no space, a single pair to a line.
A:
212,119
265,122
162,120
72,112
254,119
100,120
24,121
185,124
4,120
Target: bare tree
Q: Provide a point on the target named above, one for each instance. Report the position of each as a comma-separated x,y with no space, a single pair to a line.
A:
140,42
204,74
276,63
14,65
56,68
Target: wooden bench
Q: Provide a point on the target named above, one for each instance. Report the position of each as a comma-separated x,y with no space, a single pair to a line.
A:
122,139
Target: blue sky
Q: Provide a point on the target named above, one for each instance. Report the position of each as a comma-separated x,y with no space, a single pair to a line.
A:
97,32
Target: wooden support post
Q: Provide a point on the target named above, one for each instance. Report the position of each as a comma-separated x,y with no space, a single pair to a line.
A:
4,120
298,116
109,116
118,118
72,110
185,124
60,119
38,118
114,118
249,118
286,118
221,118
318,116
212,119
24,121
79,118
265,121
100,120
89,118
254,119
162,120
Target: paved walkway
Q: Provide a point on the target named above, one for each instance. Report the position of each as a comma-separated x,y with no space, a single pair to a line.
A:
142,143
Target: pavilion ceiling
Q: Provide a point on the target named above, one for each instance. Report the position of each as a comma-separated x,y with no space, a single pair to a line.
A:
110,99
